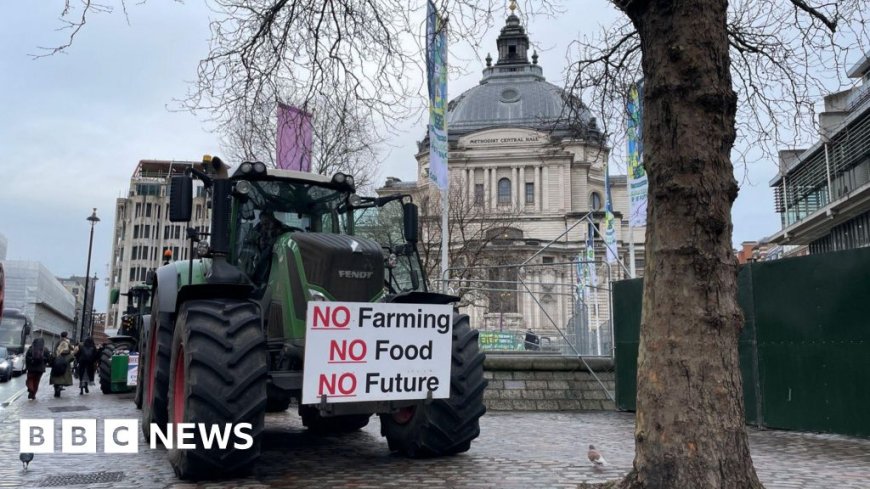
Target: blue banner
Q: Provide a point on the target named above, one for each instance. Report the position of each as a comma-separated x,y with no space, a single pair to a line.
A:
637,179
436,71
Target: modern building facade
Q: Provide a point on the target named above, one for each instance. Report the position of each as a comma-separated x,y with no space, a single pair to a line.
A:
142,231
527,165
33,289
823,193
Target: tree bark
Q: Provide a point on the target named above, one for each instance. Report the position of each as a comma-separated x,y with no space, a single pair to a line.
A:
690,429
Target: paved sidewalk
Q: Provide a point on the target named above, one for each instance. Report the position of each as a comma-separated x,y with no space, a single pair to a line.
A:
515,450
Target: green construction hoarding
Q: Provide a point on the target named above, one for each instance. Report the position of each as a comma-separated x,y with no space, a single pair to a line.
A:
804,349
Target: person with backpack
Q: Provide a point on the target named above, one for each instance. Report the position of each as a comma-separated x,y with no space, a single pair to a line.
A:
61,373
86,363
36,359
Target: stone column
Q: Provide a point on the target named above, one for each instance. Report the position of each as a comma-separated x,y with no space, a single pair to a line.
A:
515,185
539,200
522,180
485,186
545,192
493,180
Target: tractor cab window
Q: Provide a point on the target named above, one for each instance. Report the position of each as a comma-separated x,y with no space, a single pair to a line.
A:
271,209
385,226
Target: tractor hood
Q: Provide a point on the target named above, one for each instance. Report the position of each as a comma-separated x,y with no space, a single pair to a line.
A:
348,268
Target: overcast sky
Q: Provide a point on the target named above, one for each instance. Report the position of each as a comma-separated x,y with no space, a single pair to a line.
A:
74,125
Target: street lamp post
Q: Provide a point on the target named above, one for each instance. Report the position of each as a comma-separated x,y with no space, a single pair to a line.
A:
93,220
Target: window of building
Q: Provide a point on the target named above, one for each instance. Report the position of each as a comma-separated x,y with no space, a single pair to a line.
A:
132,274
165,232
547,260
177,232
159,207
136,231
134,253
198,211
147,233
138,209
595,201
147,210
478,194
530,193
504,191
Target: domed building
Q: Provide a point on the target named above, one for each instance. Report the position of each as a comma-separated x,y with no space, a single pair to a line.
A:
526,164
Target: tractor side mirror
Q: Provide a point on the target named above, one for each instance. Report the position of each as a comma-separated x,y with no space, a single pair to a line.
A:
180,198
410,221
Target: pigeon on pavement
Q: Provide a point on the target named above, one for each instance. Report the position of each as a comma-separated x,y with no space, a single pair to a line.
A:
595,457
25,459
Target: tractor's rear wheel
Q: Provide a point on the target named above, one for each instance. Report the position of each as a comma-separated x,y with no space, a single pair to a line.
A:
444,426
106,368
316,423
155,376
140,395
219,372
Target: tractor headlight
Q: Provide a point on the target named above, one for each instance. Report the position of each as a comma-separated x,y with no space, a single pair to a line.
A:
316,295
349,180
259,167
202,248
339,177
355,200
246,167
243,187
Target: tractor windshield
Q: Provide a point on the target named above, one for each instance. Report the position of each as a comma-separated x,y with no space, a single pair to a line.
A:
271,208
385,225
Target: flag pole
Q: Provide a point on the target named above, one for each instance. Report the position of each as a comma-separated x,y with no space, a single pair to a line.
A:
445,240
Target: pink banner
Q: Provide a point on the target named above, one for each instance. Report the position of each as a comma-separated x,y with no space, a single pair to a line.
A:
294,138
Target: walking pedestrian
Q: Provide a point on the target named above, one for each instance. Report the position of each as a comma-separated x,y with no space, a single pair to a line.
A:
35,359
86,358
61,371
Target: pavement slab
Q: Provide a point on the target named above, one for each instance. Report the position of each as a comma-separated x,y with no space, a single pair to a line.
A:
515,450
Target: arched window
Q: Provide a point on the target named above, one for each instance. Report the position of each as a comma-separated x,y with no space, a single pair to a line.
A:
595,201
504,191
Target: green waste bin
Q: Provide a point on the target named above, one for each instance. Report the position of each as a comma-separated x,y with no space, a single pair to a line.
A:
119,373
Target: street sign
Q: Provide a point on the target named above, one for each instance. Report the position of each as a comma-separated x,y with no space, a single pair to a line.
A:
358,351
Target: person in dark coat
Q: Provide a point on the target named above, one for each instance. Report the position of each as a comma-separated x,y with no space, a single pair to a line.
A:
63,357
36,359
86,356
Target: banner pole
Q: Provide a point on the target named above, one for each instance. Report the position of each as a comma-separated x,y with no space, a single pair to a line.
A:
445,240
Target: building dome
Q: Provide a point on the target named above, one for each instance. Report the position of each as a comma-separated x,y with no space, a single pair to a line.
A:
514,93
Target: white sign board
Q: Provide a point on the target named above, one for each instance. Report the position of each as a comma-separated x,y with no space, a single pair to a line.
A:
358,351
132,369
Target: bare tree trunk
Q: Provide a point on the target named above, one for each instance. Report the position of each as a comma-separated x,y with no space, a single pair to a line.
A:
690,428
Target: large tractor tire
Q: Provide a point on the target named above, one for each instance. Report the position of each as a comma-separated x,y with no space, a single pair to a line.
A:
316,423
140,395
444,426
155,359
219,374
106,368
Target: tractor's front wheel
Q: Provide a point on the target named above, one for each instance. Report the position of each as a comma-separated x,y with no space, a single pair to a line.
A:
218,380
444,426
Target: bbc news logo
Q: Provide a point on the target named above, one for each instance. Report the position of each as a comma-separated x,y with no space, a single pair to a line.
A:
122,436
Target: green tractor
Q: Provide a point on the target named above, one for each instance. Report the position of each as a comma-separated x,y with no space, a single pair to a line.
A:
227,336
115,356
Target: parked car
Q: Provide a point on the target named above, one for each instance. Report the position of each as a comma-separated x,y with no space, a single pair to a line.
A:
18,365
5,364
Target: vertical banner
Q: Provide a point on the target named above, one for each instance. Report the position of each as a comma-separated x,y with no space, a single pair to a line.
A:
581,276
637,180
436,70
294,138
610,243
